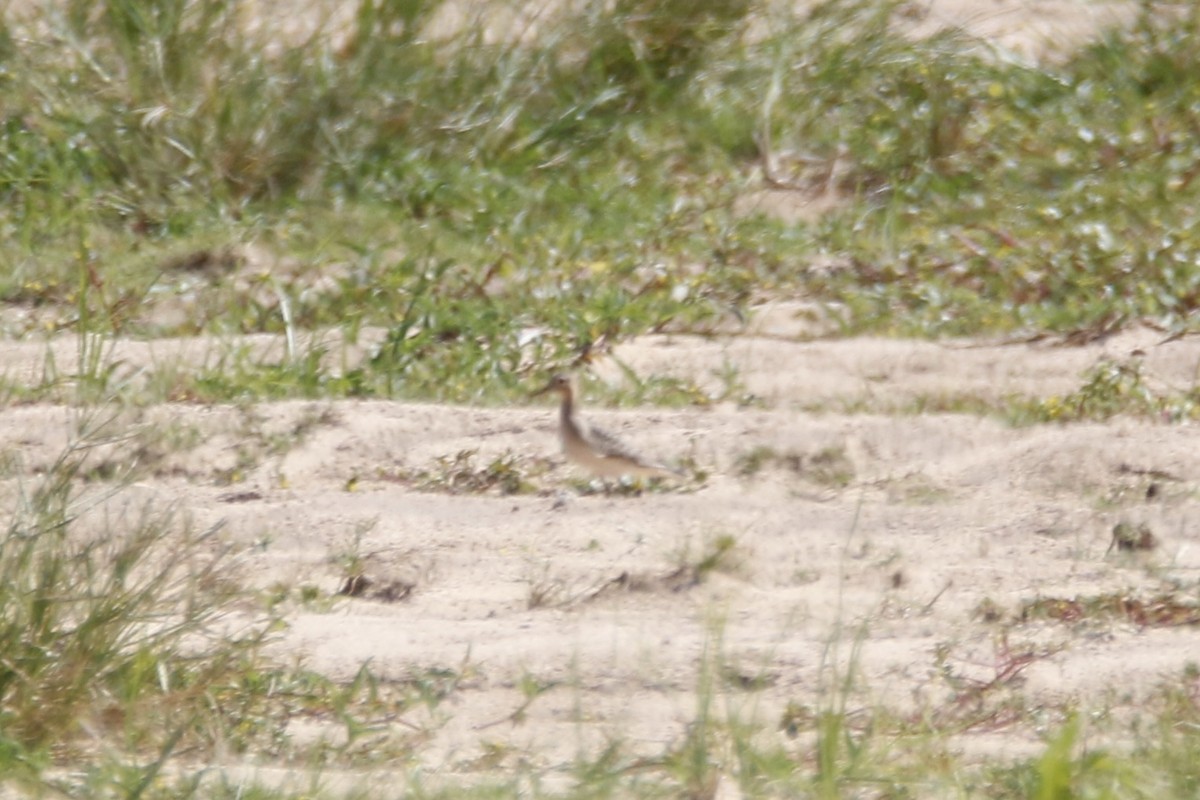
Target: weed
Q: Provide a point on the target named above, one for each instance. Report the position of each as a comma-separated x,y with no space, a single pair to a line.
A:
531,688
459,475
1109,388
752,462
987,702
719,556
830,467
1159,611
1128,537
545,591
719,553
349,558
101,626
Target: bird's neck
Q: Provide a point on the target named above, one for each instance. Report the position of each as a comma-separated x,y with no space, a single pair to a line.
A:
567,425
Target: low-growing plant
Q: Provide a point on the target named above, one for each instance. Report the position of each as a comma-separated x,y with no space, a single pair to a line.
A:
109,621
458,474
719,552
545,590
752,461
830,467
1111,388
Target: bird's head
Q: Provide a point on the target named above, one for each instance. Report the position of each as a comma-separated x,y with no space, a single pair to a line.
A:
559,383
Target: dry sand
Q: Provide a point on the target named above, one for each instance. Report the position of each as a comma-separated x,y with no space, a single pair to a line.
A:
941,516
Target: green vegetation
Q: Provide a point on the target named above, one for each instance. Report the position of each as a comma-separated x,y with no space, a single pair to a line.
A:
462,210
486,204
459,475
829,467
128,642
1109,389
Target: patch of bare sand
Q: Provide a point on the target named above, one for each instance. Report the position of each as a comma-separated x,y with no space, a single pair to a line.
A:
942,516
1023,29
889,374
1030,29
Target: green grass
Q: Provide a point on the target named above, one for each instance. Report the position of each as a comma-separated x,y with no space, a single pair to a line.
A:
477,213
130,646
104,619
1107,390
495,205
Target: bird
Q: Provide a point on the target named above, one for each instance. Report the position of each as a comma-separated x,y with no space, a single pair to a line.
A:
591,448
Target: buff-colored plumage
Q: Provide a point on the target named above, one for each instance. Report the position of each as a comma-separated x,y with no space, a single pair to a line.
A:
591,448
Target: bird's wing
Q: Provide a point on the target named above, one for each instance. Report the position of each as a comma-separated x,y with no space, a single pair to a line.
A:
610,446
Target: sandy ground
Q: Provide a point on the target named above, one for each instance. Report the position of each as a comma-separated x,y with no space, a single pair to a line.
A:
941,525
935,519
1017,29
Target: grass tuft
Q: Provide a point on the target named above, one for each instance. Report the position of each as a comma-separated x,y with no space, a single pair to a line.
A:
110,623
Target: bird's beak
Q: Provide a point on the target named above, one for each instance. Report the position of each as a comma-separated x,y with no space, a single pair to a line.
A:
542,390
